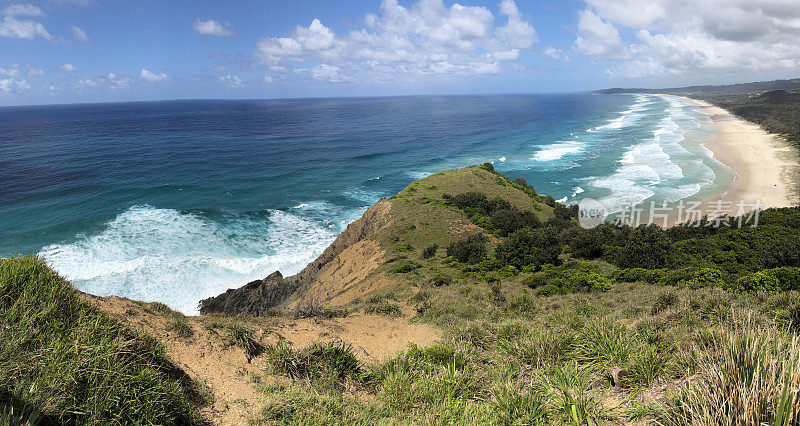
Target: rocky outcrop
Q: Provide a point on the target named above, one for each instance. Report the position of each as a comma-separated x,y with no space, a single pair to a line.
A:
254,298
347,261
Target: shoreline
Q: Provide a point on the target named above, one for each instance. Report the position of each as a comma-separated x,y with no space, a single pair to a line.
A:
764,165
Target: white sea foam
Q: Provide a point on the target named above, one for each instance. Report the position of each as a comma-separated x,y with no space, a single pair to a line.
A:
501,159
164,255
416,175
557,151
628,117
365,195
561,200
660,167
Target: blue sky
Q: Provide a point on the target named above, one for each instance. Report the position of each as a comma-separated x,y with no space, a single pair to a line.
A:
63,51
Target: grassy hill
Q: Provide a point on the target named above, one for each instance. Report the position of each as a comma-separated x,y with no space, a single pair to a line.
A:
535,318
63,361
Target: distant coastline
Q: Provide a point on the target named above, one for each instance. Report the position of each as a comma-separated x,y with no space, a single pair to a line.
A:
765,165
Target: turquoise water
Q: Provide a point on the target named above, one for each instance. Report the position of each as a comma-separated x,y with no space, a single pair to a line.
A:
179,200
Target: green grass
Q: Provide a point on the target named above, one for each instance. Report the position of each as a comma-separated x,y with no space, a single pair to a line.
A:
244,338
64,361
180,326
544,360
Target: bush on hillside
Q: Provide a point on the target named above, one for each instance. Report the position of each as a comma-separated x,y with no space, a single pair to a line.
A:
757,282
430,251
788,277
588,243
506,221
571,277
630,275
694,278
404,266
535,247
471,249
646,247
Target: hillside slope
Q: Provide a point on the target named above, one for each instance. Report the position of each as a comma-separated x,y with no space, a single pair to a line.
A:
359,261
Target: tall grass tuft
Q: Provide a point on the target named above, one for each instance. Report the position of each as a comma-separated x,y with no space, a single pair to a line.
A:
748,375
325,366
64,361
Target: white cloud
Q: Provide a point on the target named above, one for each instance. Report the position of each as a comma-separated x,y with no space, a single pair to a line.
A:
152,77
682,37
596,37
110,81
556,54
22,28
22,10
10,85
232,80
68,67
427,38
329,73
13,83
34,72
211,27
78,33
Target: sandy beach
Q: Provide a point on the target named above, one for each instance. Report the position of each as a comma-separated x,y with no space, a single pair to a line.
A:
765,166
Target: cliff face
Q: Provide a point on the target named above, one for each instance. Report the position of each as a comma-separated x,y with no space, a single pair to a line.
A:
354,255
361,261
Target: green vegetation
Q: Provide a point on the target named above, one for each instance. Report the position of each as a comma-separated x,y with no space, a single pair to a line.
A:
63,361
241,336
471,249
536,310
522,359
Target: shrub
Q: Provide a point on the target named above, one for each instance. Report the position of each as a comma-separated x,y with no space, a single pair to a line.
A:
430,251
694,278
570,277
471,249
588,243
646,247
506,221
549,290
441,280
507,271
488,166
788,277
530,247
757,282
630,275
404,266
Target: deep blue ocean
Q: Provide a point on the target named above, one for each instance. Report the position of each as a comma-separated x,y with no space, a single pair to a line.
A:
175,201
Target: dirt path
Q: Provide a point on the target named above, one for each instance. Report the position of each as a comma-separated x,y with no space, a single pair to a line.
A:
225,371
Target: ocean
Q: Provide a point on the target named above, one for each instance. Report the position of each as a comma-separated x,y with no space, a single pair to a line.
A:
175,201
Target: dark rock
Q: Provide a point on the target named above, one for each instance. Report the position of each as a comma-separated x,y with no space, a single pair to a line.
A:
254,298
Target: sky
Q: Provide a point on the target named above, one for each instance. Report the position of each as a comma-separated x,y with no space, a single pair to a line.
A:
73,51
